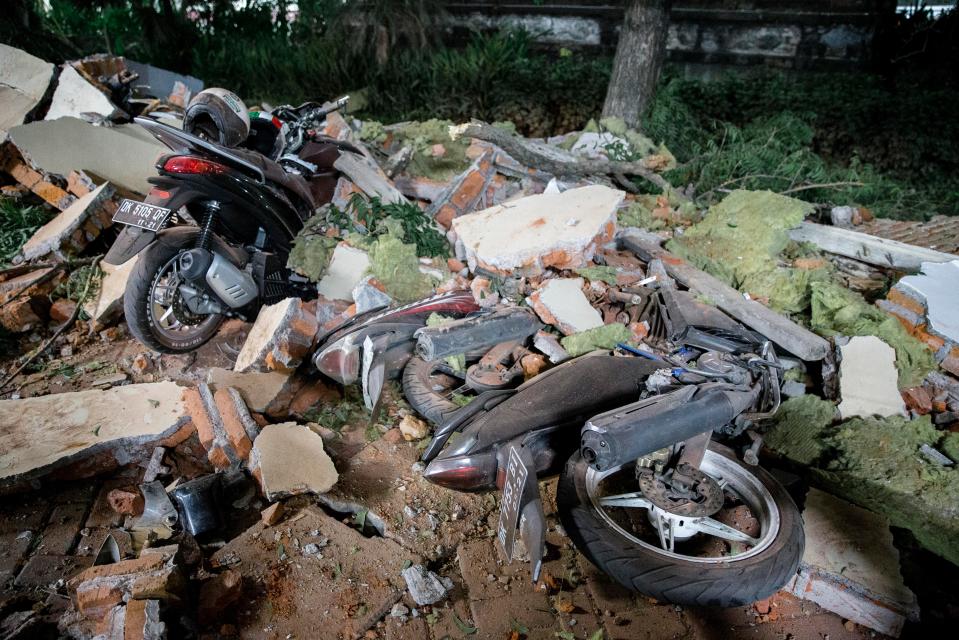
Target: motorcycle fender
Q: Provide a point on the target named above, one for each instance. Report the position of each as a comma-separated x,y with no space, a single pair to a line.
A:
130,241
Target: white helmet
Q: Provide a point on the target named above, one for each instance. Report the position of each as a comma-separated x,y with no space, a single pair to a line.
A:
219,116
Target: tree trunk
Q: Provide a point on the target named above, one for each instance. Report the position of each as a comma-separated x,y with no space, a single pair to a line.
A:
639,58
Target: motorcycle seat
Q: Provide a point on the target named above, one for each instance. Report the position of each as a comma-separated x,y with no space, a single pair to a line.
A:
292,182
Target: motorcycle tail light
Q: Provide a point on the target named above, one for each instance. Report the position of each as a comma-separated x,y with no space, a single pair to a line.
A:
339,361
193,166
463,473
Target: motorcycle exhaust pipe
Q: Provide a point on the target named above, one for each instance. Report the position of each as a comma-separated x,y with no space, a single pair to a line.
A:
626,434
233,286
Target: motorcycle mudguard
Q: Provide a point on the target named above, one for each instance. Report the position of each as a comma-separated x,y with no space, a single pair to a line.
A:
130,241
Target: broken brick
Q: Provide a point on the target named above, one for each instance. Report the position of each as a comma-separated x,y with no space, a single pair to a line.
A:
239,425
55,236
279,339
210,426
463,194
918,400
127,502
272,514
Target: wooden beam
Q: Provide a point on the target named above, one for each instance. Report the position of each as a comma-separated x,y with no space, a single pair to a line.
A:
785,333
867,248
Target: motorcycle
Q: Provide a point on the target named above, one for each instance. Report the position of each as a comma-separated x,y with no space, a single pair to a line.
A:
213,236
647,492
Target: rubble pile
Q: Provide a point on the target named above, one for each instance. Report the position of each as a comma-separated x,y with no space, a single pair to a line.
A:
247,494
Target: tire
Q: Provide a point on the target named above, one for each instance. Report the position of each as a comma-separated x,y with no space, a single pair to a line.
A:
137,299
676,580
419,392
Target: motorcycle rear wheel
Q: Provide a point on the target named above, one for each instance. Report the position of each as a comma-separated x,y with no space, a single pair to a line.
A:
675,576
144,310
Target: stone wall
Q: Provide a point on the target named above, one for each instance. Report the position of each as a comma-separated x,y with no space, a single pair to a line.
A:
792,34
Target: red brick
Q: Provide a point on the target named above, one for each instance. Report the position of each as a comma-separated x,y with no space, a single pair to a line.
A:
444,216
235,418
917,399
272,514
199,416
62,310
126,502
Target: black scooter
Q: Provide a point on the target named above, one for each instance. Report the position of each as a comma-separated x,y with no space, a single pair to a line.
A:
213,236
645,490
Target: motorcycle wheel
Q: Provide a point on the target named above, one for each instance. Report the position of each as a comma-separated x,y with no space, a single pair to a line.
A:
715,566
428,387
154,309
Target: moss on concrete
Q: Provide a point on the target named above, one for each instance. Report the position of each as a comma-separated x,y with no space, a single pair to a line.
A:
837,310
312,249
801,426
739,241
875,462
604,337
395,264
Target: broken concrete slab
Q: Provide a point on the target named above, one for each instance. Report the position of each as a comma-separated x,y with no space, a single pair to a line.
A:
268,392
346,270
367,175
868,379
83,433
108,304
851,567
367,296
562,303
279,339
289,459
549,344
935,290
124,155
65,234
339,592
160,83
528,235
24,80
75,96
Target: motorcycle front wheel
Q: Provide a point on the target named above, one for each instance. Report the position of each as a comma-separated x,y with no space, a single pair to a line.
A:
743,553
153,305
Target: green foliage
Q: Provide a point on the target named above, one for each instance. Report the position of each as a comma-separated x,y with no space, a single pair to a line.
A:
18,222
404,219
75,285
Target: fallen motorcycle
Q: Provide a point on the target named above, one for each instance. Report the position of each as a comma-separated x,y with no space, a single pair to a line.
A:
213,236
646,490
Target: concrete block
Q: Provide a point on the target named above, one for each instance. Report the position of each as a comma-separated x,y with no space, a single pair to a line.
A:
57,235
289,459
263,392
279,339
850,566
935,290
75,96
868,379
24,80
529,235
83,433
346,270
562,303
107,307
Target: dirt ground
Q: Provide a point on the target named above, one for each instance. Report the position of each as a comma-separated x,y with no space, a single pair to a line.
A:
330,568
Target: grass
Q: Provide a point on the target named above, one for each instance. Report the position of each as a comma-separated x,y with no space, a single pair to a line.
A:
18,222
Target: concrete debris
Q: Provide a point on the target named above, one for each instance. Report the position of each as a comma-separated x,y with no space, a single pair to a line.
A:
159,83
279,339
868,380
124,155
223,424
75,97
549,344
866,248
289,459
562,303
107,306
528,235
73,228
413,428
24,80
83,433
345,272
268,392
425,586
42,184
367,176
129,592
273,514
850,566
927,307
464,192
367,296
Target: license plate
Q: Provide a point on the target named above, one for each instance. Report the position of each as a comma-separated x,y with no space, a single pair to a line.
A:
513,489
140,214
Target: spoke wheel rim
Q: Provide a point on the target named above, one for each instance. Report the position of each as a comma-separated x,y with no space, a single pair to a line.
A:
735,480
163,292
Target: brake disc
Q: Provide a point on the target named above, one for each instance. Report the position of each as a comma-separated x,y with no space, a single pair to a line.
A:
704,498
